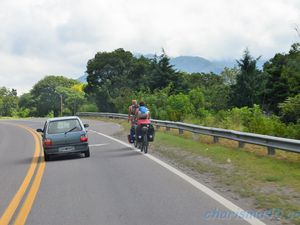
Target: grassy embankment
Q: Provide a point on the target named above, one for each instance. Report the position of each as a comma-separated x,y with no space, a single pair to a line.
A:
269,181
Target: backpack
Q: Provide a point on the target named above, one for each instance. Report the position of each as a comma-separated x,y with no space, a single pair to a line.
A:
143,112
133,109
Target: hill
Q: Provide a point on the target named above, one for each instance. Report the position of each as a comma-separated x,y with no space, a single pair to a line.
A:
195,64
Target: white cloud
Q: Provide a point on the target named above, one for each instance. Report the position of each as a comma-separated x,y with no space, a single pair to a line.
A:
39,37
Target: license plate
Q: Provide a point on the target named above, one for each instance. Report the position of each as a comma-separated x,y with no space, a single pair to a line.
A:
66,149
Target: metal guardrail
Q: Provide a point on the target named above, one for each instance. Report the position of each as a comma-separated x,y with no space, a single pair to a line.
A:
270,142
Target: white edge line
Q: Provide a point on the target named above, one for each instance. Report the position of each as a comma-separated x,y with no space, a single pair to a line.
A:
95,145
228,204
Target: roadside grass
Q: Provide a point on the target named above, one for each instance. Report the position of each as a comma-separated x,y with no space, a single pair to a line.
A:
262,168
258,150
271,182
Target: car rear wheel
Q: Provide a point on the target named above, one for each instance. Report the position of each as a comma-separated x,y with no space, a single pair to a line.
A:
87,153
46,157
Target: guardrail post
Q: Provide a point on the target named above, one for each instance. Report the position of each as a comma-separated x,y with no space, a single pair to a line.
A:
167,128
271,151
180,131
216,139
241,144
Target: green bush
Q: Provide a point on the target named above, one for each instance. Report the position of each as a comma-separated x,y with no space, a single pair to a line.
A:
88,107
293,131
50,114
290,109
251,120
178,107
196,98
67,112
23,112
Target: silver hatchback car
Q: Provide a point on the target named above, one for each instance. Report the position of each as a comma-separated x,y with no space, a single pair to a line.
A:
64,135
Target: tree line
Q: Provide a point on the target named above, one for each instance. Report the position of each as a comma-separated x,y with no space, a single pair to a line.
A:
244,97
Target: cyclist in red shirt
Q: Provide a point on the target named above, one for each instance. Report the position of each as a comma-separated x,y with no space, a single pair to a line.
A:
142,114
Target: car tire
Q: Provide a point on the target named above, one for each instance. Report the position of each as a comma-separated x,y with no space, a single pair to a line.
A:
46,157
87,154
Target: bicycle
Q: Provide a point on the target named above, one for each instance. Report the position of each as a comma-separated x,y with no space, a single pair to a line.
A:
145,143
141,140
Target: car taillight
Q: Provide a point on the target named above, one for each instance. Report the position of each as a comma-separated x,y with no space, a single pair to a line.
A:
83,138
47,142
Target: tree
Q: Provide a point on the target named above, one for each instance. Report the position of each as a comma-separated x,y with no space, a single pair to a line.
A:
290,109
217,97
73,97
292,70
216,93
283,78
276,90
107,74
249,84
197,100
8,102
113,75
203,80
139,75
46,95
178,107
229,75
163,74
27,103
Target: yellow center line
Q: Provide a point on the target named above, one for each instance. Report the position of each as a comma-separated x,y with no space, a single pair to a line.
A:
26,207
13,205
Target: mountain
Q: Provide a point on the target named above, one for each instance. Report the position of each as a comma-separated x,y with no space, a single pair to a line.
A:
195,64
82,79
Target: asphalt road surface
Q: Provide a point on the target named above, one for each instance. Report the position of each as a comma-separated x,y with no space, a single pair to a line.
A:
116,185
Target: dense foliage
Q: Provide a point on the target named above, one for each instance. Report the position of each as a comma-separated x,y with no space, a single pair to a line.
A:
8,102
51,95
243,98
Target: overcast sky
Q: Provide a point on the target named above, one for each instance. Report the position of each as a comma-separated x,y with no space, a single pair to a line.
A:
42,37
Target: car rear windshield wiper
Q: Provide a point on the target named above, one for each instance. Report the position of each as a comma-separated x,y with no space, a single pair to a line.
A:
70,130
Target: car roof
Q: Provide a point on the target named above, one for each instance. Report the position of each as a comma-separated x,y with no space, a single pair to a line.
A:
62,118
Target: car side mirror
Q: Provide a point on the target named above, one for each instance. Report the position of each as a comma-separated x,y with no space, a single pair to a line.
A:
39,130
86,125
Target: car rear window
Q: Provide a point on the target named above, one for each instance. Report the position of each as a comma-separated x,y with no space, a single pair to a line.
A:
62,126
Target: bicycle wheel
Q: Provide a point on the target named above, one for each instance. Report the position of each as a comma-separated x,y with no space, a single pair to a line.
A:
145,144
140,145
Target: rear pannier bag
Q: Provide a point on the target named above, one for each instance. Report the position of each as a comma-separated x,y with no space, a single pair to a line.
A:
150,134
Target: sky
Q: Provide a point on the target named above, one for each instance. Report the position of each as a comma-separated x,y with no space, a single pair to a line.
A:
58,37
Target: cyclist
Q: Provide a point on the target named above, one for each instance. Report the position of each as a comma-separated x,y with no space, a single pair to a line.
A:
142,114
132,118
131,112
144,130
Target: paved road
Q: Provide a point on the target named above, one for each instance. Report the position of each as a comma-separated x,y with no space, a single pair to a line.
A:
116,185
